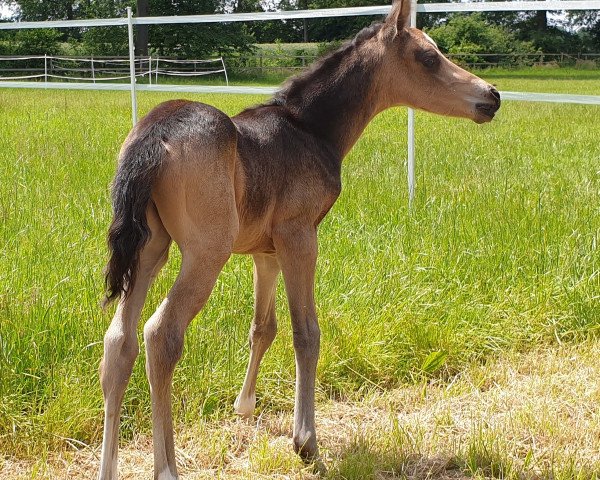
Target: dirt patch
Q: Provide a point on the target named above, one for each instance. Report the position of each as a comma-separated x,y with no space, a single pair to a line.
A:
521,416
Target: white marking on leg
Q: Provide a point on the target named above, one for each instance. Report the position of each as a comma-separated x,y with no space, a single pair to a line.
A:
166,475
244,405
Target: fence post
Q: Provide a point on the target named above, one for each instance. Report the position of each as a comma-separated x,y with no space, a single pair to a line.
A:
411,128
45,68
150,69
93,72
132,66
225,71
156,76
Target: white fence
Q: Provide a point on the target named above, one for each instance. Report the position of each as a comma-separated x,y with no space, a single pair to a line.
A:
291,15
90,69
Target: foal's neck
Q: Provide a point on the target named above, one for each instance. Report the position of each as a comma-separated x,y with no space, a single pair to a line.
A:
338,99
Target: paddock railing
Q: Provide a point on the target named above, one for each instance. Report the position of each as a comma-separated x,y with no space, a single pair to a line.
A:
268,61
105,69
153,68
130,22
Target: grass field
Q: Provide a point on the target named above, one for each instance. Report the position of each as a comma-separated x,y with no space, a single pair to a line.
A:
495,270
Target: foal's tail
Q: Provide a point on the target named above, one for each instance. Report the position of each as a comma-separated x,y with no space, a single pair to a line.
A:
139,165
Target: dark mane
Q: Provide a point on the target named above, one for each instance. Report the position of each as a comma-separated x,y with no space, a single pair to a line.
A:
322,68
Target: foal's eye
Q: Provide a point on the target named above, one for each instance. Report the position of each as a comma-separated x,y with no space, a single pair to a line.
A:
430,60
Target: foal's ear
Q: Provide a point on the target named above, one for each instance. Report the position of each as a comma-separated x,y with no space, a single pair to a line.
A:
399,16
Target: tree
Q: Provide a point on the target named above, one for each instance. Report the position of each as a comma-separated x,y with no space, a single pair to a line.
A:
184,40
287,31
141,38
35,10
473,35
327,30
587,23
109,41
196,40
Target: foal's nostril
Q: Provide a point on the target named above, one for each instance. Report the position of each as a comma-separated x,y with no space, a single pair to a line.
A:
496,94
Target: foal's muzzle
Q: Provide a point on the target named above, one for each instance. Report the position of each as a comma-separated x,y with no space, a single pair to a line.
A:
486,110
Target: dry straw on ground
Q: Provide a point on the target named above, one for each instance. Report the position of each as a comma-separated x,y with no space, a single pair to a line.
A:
527,416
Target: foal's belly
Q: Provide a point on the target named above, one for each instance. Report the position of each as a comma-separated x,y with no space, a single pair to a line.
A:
253,238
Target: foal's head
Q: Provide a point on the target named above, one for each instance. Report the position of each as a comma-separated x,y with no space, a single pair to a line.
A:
415,73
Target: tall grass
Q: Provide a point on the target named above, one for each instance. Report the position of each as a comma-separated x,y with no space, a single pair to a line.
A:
499,252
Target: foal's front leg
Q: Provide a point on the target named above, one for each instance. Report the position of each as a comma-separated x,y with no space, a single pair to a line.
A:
297,254
263,330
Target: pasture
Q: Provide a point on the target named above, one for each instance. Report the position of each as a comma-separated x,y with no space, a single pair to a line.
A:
491,277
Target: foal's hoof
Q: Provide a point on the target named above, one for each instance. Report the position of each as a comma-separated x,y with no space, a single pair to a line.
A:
306,446
244,407
165,475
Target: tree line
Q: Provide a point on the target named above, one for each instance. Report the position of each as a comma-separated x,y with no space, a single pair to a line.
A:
494,32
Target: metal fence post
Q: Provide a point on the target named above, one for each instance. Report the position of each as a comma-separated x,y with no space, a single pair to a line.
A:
156,76
411,127
132,66
45,68
93,72
150,69
225,71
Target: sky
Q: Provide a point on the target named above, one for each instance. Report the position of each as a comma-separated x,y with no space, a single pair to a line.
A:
5,11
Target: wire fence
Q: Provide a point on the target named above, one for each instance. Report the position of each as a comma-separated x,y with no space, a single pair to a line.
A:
105,69
283,62
155,69
483,60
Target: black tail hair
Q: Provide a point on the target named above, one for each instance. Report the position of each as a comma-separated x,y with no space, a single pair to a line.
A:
139,166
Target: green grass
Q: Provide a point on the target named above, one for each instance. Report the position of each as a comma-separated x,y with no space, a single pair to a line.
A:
499,254
544,80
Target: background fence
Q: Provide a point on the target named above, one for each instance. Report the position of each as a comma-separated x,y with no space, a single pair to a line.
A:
130,22
154,69
105,69
282,62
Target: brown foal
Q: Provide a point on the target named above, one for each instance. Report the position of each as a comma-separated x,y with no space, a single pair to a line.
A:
258,183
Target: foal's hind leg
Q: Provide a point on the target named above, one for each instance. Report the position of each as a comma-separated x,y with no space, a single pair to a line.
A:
164,336
120,341
196,202
263,330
